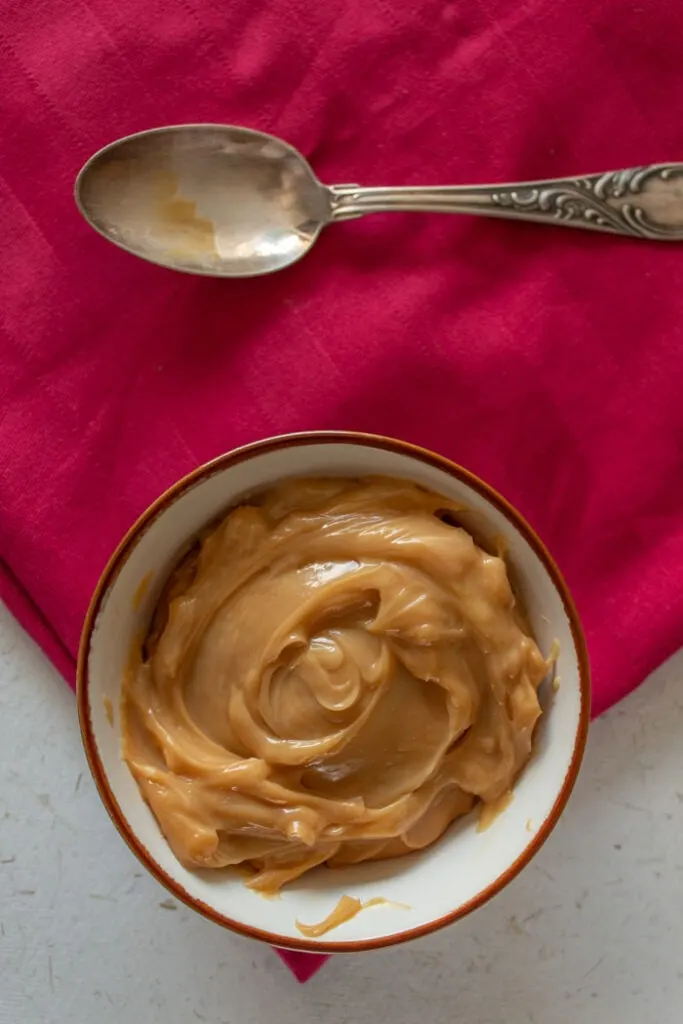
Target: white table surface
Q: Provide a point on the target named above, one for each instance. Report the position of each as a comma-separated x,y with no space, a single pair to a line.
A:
591,932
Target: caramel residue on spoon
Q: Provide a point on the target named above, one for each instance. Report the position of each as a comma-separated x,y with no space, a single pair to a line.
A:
184,233
346,909
148,197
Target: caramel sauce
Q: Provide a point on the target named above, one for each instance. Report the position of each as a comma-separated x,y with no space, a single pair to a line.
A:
333,674
346,909
141,591
109,711
488,812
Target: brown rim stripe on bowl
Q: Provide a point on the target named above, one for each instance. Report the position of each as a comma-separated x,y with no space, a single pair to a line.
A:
232,458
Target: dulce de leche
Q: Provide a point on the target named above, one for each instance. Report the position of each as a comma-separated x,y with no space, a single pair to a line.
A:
334,674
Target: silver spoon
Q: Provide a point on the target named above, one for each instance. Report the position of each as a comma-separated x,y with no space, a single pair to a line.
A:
232,202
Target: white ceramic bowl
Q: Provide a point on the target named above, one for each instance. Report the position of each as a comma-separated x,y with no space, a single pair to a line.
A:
439,884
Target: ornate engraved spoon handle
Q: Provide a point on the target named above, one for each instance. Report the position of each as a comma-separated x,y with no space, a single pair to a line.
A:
641,202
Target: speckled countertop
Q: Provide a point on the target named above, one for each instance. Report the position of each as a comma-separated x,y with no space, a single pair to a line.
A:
592,932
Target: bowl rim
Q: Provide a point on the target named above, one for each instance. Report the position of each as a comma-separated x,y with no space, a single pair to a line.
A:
119,558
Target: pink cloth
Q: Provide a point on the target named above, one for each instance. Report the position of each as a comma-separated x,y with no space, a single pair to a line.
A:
549,362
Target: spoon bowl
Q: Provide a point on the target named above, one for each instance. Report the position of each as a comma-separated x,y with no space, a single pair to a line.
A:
206,199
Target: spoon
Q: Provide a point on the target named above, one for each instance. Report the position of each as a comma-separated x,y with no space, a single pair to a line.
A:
231,202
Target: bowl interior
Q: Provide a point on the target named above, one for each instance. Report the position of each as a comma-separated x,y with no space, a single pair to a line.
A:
465,866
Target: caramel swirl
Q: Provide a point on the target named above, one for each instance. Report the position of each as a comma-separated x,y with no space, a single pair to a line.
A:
335,676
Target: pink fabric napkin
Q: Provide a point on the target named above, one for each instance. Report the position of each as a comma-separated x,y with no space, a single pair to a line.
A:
547,361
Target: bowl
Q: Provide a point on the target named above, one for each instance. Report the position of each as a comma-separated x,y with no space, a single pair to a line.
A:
426,890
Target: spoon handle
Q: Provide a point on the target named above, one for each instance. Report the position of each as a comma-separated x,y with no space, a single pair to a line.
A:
640,202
